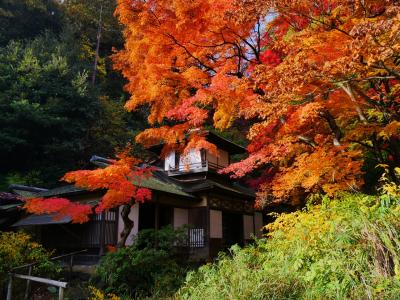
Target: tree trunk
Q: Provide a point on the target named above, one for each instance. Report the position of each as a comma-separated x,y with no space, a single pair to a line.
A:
337,133
128,225
347,88
97,46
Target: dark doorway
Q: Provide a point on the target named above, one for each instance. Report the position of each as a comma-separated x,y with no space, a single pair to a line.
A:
165,216
232,229
147,215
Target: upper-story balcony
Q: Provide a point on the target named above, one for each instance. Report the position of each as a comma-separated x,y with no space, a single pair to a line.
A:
195,161
202,166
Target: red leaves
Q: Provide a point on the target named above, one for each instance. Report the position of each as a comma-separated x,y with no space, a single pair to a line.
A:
121,180
304,73
143,194
188,111
79,213
270,57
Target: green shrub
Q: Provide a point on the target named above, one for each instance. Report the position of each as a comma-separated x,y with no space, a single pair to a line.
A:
346,248
17,248
150,266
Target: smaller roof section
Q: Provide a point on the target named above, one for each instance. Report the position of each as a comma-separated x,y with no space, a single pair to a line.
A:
162,183
45,219
25,191
225,144
9,199
212,137
66,190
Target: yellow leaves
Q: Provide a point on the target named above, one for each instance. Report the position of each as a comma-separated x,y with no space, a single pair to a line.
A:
332,168
224,115
393,128
195,77
96,294
170,135
305,87
389,187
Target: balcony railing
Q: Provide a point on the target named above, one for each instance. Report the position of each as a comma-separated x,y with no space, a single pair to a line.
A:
194,168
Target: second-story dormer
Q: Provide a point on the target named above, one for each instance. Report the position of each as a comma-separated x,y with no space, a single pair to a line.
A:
195,160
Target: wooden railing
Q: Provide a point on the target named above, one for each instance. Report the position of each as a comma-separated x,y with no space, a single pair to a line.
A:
194,167
60,284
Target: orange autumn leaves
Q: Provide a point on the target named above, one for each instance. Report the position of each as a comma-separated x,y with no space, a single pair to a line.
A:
120,181
318,82
61,207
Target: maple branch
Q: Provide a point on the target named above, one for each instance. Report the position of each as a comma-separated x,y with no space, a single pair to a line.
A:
208,68
306,140
391,71
252,47
330,26
240,53
258,37
333,126
347,88
380,106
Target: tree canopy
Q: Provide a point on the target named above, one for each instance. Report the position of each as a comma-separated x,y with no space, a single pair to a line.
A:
318,82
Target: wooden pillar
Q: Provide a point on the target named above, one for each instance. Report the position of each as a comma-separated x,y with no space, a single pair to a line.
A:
156,213
156,218
102,233
60,293
28,283
208,226
9,288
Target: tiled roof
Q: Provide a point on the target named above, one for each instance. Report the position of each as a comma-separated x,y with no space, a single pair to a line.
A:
62,190
45,219
158,182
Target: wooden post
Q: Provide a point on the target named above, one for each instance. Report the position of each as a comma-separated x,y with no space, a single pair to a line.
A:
156,219
97,46
60,293
28,283
71,263
9,288
102,233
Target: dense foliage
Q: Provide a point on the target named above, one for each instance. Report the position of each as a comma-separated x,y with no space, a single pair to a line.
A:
150,266
346,248
17,249
317,81
25,19
53,118
46,105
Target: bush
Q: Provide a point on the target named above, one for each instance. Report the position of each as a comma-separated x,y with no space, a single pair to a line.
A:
347,248
150,266
17,248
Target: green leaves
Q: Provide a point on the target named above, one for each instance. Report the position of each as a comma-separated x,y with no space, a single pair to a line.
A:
346,248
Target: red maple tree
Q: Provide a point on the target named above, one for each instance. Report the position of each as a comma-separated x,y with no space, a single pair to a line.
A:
121,180
319,81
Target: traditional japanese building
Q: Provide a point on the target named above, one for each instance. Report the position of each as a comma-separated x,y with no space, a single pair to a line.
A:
186,190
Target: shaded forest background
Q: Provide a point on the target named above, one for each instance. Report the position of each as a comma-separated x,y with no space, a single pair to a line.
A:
53,118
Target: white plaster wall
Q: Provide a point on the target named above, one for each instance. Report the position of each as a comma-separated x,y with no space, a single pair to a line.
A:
192,157
169,161
181,217
248,226
215,224
134,216
258,223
